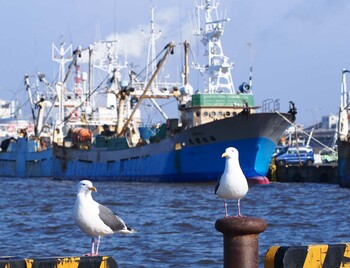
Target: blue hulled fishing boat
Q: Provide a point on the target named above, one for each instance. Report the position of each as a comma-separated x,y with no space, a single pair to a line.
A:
183,149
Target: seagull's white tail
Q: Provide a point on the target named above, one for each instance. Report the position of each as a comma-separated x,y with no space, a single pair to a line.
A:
132,231
127,230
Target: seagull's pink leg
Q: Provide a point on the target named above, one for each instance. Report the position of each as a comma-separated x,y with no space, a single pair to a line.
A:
239,207
92,246
92,253
98,245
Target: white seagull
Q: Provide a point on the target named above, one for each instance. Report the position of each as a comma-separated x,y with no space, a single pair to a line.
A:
95,219
232,184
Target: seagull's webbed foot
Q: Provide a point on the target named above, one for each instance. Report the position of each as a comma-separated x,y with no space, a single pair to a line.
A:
93,253
90,254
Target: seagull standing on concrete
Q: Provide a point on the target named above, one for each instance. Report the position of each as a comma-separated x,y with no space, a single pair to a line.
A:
95,219
232,183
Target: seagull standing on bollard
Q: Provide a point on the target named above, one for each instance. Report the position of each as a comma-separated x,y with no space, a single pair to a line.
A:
95,219
232,183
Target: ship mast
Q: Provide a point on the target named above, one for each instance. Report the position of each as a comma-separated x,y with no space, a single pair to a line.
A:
62,56
343,124
218,68
169,49
152,37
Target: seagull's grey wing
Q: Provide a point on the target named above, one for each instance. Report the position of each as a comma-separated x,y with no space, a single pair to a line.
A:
217,184
110,219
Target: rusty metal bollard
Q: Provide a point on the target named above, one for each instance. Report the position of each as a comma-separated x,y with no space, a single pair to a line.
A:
241,240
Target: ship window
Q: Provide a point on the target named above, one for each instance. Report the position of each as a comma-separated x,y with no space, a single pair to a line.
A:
234,113
213,113
212,138
191,141
178,146
220,114
198,113
198,140
205,139
227,113
205,113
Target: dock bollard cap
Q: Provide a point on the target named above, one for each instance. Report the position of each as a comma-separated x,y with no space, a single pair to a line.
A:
240,225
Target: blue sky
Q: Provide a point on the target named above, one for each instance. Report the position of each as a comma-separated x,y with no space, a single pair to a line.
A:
299,47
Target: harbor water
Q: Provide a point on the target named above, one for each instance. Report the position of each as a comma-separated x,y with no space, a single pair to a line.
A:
175,221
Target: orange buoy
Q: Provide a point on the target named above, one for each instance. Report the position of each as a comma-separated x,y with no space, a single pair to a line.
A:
81,135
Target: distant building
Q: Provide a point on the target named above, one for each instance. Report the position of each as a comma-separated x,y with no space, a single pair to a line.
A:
324,132
8,109
330,121
318,136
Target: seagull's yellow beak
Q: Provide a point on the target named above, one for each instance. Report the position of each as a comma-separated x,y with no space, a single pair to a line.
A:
224,155
92,188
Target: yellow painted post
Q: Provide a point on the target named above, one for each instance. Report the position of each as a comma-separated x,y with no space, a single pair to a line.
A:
270,257
315,256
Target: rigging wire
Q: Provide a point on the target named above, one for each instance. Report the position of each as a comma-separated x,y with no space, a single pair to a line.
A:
88,96
156,58
308,135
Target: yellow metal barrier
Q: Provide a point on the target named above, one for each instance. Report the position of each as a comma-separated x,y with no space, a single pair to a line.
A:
311,256
59,262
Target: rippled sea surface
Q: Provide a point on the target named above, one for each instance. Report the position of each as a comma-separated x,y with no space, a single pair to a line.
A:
175,221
